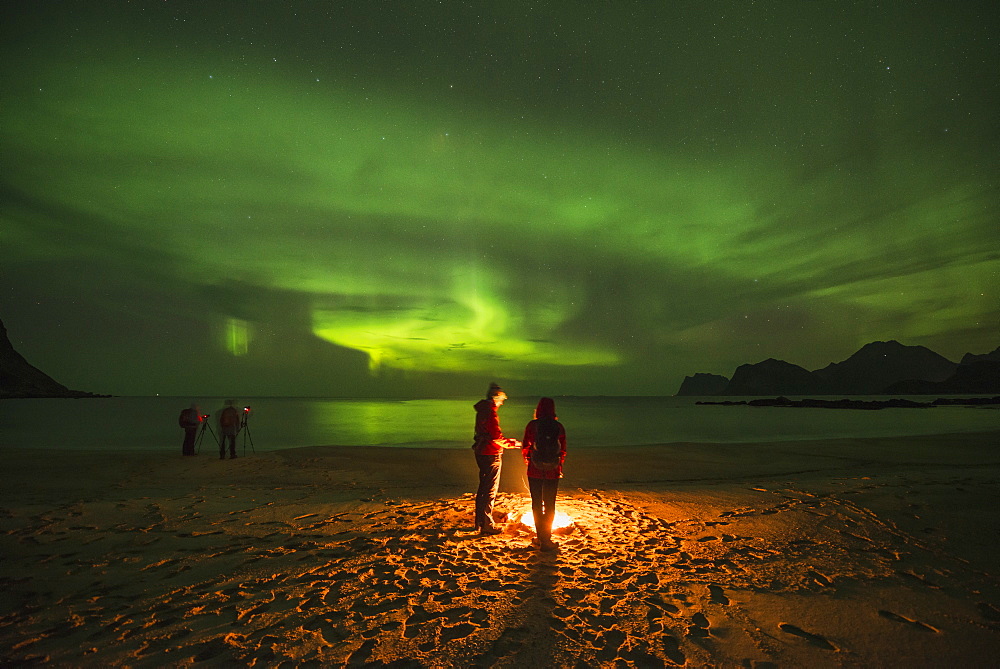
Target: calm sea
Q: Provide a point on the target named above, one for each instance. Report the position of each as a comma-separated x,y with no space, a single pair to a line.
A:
275,423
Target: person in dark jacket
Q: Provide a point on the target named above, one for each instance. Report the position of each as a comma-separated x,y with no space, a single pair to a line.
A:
229,427
543,476
489,444
190,420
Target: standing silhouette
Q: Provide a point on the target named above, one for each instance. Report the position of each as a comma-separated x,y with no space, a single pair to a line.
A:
489,444
544,450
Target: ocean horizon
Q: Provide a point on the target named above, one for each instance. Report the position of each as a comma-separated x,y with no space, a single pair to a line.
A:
150,423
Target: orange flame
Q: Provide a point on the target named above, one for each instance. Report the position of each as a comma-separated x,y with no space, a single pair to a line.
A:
560,521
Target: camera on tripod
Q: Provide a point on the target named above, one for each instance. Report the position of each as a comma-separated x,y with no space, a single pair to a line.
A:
205,425
245,428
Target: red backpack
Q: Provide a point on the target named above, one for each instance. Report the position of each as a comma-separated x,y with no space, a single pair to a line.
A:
546,450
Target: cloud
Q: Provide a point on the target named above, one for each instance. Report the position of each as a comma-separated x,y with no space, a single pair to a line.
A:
412,230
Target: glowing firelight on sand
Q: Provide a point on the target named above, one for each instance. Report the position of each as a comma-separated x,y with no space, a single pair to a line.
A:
561,521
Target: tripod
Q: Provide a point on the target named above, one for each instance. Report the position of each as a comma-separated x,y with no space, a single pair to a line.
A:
245,428
204,426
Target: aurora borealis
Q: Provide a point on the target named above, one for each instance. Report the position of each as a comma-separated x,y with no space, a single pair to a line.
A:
392,199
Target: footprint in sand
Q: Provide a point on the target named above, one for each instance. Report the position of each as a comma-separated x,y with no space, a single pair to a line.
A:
919,579
907,621
819,578
416,619
814,639
666,606
717,596
492,585
646,579
459,631
699,626
210,649
639,655
672,649
362,654
251,612
609,643
989,611
511,639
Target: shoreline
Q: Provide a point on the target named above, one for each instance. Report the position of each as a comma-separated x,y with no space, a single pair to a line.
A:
840,552
169,450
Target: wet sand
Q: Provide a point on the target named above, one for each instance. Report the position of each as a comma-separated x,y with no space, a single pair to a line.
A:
840,553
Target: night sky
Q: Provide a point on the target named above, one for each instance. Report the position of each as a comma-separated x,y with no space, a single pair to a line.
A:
418,198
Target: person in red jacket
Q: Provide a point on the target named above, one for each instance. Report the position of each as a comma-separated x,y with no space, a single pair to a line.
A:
544,450
489,445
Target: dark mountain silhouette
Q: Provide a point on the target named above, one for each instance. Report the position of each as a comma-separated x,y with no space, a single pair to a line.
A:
992,355
867,405
773,377
703,384
19,379
979,377
878,368
880,364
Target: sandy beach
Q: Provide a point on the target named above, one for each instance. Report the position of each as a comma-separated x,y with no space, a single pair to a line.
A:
840,553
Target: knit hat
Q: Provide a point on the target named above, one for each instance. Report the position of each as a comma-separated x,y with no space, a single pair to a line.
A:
494,391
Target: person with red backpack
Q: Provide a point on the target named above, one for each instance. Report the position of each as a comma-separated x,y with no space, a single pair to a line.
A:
229,427
190,420
544,450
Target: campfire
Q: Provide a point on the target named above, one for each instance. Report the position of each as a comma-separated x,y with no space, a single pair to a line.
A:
561,524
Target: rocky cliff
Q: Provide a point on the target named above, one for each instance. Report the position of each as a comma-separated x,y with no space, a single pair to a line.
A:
19,379
703,385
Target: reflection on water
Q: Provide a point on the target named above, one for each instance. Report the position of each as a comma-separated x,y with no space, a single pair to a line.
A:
151,422
392,422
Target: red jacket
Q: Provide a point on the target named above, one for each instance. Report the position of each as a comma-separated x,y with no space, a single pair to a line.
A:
488,436
529,441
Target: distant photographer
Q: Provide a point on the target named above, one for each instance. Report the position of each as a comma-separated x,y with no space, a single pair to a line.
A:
229,426
190,420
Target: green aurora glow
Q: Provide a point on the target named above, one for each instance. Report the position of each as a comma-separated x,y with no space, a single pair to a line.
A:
310,201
